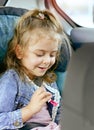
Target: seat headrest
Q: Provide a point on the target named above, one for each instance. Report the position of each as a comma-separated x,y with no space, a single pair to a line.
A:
81,36
8,18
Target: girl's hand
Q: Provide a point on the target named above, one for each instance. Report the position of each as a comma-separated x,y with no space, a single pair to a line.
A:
39,98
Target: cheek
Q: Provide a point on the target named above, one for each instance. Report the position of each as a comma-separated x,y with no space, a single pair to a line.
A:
53,61
36,61
30,62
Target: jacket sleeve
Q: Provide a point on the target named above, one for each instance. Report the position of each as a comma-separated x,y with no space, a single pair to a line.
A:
9,117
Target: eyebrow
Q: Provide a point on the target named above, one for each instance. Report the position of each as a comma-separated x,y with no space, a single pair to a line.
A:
46,51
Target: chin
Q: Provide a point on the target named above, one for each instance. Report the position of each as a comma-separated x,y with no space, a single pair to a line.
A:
41,74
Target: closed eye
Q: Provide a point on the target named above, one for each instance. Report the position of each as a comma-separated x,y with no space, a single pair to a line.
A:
53,54
39,55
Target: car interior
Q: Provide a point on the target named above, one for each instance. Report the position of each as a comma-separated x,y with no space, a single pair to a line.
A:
78,91
74,74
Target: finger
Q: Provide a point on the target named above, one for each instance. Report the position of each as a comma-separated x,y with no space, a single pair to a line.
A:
41,93
46,98
45,94
40,90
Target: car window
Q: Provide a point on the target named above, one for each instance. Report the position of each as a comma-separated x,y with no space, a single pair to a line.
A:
80,11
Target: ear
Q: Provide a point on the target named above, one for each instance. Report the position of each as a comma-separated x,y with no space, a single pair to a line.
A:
19,52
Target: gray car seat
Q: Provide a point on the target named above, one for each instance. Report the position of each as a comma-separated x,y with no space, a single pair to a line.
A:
78,94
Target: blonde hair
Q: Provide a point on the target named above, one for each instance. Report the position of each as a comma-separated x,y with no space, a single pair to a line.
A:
33,19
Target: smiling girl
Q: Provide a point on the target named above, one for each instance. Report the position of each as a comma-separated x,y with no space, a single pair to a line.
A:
29,96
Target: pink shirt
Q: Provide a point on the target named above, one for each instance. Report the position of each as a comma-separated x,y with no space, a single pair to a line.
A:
42,117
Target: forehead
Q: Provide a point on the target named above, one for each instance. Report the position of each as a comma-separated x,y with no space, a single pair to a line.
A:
39,39
42,42
40,34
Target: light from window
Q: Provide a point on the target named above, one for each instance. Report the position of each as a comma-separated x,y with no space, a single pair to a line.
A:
80,11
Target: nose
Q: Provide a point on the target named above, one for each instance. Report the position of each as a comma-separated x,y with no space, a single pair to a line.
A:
47,59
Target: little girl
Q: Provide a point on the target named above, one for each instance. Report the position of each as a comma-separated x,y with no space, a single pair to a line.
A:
29,97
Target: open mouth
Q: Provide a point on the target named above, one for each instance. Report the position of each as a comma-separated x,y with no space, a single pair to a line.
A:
42,68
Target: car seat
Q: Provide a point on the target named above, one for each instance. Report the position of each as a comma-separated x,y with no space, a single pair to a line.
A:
8,19
78,94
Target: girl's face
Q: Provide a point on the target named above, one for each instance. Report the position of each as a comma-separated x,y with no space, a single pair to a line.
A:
40,55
